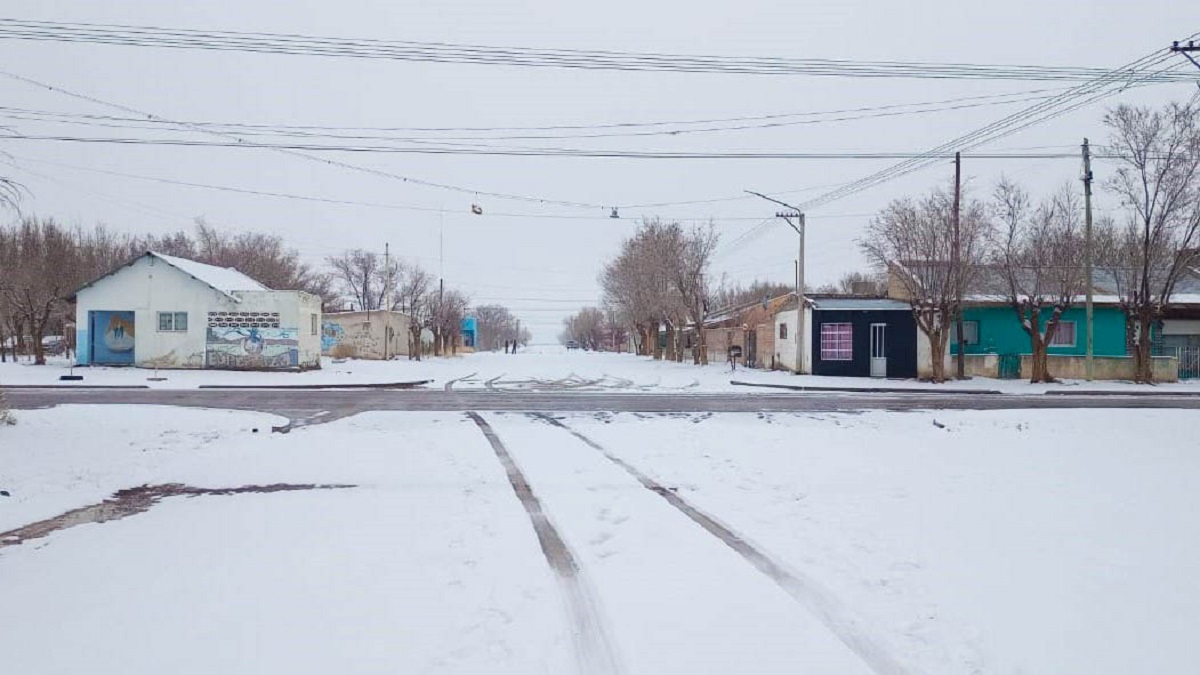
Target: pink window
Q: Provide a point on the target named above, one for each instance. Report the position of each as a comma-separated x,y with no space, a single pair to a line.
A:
837,340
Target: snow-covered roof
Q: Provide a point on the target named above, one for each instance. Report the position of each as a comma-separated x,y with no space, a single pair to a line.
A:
224,279
833,303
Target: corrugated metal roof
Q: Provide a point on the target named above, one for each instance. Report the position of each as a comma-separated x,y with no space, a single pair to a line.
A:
860,304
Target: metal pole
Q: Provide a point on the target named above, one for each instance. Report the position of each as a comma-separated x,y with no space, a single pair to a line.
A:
1087,254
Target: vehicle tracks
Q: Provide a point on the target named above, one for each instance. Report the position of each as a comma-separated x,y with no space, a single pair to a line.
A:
593,648
831,612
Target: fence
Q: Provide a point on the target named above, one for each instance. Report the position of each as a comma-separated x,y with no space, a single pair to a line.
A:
1189,362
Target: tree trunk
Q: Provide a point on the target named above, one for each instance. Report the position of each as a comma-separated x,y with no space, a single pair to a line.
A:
671,343
655,347
1142,364
937,353
1039,366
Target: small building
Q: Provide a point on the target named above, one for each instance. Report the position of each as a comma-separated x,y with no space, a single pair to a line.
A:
365,335
862,337
160,311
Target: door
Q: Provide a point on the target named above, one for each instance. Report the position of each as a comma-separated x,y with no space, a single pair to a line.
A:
879,350
112,337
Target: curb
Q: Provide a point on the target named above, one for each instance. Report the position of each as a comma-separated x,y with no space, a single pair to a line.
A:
869,390
1103,392
74,386
379,385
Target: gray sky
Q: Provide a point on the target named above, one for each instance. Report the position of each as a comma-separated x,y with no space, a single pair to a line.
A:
544,263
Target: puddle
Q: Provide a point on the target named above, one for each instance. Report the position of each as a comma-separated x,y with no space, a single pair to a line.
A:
132,501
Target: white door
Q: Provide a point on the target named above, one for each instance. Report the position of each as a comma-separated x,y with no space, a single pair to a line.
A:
879,350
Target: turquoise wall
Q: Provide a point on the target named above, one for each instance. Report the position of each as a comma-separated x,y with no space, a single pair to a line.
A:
1000,331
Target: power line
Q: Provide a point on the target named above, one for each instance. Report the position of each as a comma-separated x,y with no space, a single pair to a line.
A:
532,152
296,153
1111,83
441,52
292,131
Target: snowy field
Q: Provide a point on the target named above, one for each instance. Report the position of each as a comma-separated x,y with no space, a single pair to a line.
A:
539,368
989,542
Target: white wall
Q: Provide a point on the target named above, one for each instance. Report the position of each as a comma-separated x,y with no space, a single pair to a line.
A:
925,357
785,349
147,287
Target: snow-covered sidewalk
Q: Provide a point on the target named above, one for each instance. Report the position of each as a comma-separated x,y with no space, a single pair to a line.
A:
536,369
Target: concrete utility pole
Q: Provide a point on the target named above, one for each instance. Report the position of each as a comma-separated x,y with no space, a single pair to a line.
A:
1187,50
795,219
1088,253
956,270
387,299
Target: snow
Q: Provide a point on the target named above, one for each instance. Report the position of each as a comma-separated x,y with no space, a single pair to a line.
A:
537,368
1055,541
224,279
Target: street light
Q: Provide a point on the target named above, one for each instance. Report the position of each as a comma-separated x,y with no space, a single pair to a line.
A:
794,217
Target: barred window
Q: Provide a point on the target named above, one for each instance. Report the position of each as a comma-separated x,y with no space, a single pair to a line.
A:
837,342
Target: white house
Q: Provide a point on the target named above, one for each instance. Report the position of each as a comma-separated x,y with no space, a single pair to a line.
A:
167,312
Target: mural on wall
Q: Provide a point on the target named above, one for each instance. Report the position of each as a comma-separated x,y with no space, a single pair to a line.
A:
113,337
252,348
331,334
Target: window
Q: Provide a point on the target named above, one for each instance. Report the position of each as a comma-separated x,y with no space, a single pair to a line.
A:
970,333
1064,335
314,324
172,322
783,331
837,341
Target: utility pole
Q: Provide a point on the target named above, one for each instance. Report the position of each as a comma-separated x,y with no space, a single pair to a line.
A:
1187,50
795,219
1088,253
957,271
387,299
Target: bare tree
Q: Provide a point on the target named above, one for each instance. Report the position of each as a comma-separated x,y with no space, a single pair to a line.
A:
495,324
1158,183
412,291
688,264
585,327
361,277
446,311
1038,255
911,240
40,272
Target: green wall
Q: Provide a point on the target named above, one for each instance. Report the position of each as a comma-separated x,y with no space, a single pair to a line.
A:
1000,331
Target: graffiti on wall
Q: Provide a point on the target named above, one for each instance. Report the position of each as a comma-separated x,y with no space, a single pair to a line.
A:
252,348
331,334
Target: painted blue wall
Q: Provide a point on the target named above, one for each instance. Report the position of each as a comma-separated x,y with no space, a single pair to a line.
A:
1000,331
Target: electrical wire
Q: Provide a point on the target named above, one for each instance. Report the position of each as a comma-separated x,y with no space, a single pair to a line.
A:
441,52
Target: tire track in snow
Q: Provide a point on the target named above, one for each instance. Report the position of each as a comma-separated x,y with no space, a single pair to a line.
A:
593,649
808,592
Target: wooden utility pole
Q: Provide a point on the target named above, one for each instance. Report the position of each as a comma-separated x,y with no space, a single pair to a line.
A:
957,271
1087,254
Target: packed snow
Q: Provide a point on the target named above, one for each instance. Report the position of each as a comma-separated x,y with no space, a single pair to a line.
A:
949,542
539,368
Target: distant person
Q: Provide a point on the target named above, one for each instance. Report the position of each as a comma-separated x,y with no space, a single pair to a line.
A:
514,347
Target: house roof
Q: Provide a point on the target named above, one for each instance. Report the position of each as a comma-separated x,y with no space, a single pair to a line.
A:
224,280
860,304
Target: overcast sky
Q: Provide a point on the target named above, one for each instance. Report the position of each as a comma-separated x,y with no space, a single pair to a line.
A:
544,262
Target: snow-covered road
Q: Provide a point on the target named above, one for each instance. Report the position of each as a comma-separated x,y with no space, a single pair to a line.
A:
989,542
